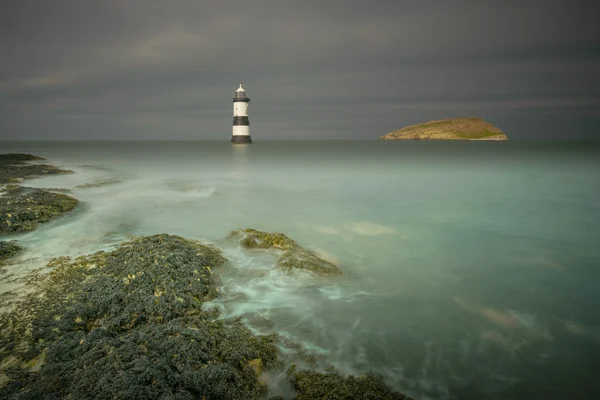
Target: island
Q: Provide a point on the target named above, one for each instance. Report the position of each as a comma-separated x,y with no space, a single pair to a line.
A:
462,128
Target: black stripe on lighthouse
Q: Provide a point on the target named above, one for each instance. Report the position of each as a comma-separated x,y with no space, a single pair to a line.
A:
241,139
241,121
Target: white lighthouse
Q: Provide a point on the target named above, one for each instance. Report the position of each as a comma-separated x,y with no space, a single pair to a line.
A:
241,123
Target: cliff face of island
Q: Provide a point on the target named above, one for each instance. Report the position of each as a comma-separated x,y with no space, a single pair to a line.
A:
463,128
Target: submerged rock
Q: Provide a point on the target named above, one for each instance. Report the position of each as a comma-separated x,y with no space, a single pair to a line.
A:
22,209
294,256
14,168
99,183
9,250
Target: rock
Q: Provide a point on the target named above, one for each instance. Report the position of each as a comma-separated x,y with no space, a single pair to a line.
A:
86,334
464,128
300,258
99,183
95,328
9,250
22,209
293,257
14,168
310,385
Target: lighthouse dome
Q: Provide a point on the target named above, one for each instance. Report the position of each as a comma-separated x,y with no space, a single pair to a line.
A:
240,89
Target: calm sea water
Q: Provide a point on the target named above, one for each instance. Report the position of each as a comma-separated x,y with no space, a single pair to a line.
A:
472,269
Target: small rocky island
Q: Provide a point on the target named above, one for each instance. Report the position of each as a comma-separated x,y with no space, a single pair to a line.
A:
463,128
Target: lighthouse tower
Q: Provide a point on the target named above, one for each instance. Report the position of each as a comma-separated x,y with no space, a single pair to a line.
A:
241,124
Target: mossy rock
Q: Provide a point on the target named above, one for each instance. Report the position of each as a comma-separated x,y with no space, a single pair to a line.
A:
14,168
23,209
253,239
18,158
311,385
130,324
293,257
9,250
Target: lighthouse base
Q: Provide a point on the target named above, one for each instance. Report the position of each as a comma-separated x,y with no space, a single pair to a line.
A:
241,139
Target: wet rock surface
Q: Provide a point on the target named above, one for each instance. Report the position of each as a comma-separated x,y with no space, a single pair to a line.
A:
311,385
8,249
293,257
133,322
22,209
130,324
14,168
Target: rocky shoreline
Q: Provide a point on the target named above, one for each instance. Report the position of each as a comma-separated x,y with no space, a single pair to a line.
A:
135,322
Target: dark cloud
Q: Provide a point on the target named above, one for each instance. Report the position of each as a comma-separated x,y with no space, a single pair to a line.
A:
316,69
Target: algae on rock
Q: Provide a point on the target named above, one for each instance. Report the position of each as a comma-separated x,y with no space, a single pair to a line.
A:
130,324
8,250
294,256
14,168
311,385
22,208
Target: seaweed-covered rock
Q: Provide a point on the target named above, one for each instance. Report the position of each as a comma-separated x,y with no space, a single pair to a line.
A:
130,324
311,385
14,168
294,256
8,250
22,209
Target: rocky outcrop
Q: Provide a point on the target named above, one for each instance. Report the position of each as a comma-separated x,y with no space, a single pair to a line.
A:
293,256
311,385
464,128
130,323
8,250
14,168
22,209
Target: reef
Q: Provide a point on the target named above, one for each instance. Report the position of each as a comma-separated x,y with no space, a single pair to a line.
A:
14,168
463,128
293,255
8,250
22,209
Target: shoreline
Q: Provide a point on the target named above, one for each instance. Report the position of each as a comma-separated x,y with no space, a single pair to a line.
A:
22,352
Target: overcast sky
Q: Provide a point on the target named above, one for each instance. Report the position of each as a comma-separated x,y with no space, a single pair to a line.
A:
156,69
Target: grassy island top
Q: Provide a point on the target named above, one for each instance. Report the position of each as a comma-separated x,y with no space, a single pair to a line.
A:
462,128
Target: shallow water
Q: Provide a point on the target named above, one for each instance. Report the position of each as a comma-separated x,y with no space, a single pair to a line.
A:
471,268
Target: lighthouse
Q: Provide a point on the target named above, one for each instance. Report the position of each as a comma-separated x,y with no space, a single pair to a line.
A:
241,124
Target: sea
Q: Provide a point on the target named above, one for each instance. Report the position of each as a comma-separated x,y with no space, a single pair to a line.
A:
471,268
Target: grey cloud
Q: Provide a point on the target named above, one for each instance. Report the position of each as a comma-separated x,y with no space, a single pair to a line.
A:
152,69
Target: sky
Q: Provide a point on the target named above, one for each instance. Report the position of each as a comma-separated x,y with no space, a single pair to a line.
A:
314,69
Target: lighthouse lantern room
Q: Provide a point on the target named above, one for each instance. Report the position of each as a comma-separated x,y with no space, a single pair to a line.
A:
241,123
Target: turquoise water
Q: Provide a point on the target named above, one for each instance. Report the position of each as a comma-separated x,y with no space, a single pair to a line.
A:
471,268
